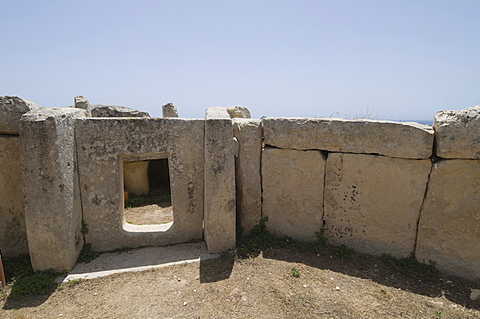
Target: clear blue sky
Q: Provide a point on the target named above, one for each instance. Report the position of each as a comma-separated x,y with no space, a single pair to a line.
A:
397,59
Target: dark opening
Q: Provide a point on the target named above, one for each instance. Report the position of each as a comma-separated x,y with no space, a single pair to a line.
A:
155,207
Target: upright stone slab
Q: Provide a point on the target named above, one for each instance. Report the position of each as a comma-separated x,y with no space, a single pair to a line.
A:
50,187
457,133
372,203
135,176
219,215
394,139
11,110
13,234
169,110
248,172
82,103
449,228
292,184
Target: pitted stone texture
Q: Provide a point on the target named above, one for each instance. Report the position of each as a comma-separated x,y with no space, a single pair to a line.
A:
372,203
457,133
169,110
449,228
13,234
116,111
11,110
50,187
219,218
394,139
248,172
238,112
103,146
293,192
82,103
135,177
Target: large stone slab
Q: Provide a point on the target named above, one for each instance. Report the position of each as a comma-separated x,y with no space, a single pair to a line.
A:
292,183
104,144
449,228
372,203
219,217
394,139
135,177
13,234
248,172
457,133
11,110
116,111
53,211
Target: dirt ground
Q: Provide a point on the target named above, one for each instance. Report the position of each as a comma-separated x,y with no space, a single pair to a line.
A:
152,214
260,287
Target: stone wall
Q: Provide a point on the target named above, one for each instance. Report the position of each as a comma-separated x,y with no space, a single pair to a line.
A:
375,186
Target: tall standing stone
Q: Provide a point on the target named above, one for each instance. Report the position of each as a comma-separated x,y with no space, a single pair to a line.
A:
169,110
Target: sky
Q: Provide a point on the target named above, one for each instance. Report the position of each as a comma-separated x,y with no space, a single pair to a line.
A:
398,60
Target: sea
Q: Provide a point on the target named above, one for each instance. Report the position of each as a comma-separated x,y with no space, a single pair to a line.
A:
426,122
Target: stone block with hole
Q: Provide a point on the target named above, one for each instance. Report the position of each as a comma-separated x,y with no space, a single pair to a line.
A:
105,145
292,183
372,203
449,228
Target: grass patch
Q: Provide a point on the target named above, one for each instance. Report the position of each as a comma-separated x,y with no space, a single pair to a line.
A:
413,268
27,282
86,254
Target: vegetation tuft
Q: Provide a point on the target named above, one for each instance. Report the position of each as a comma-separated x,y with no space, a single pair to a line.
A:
260,239
413,268
27,282
86,254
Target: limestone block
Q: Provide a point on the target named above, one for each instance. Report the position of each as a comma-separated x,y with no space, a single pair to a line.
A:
82,103
11,110
372,203
457,133
135,175
169,110
219,217
248,132
449,227
293,192
105,144
13,234
238,112
116,111
50,187
394,139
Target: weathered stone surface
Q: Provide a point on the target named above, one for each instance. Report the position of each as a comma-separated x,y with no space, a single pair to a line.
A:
169,110
394,139
13,234
449,228
11,110
238,112
219,218
247,171
372,203
135,177
82,103
104,144
292,184
50,187
457,133
116,111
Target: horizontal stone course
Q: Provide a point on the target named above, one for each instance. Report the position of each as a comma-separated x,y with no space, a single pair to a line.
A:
393,139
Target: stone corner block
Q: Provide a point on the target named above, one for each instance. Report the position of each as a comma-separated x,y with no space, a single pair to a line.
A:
11,110
449,229
393,139
457,133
